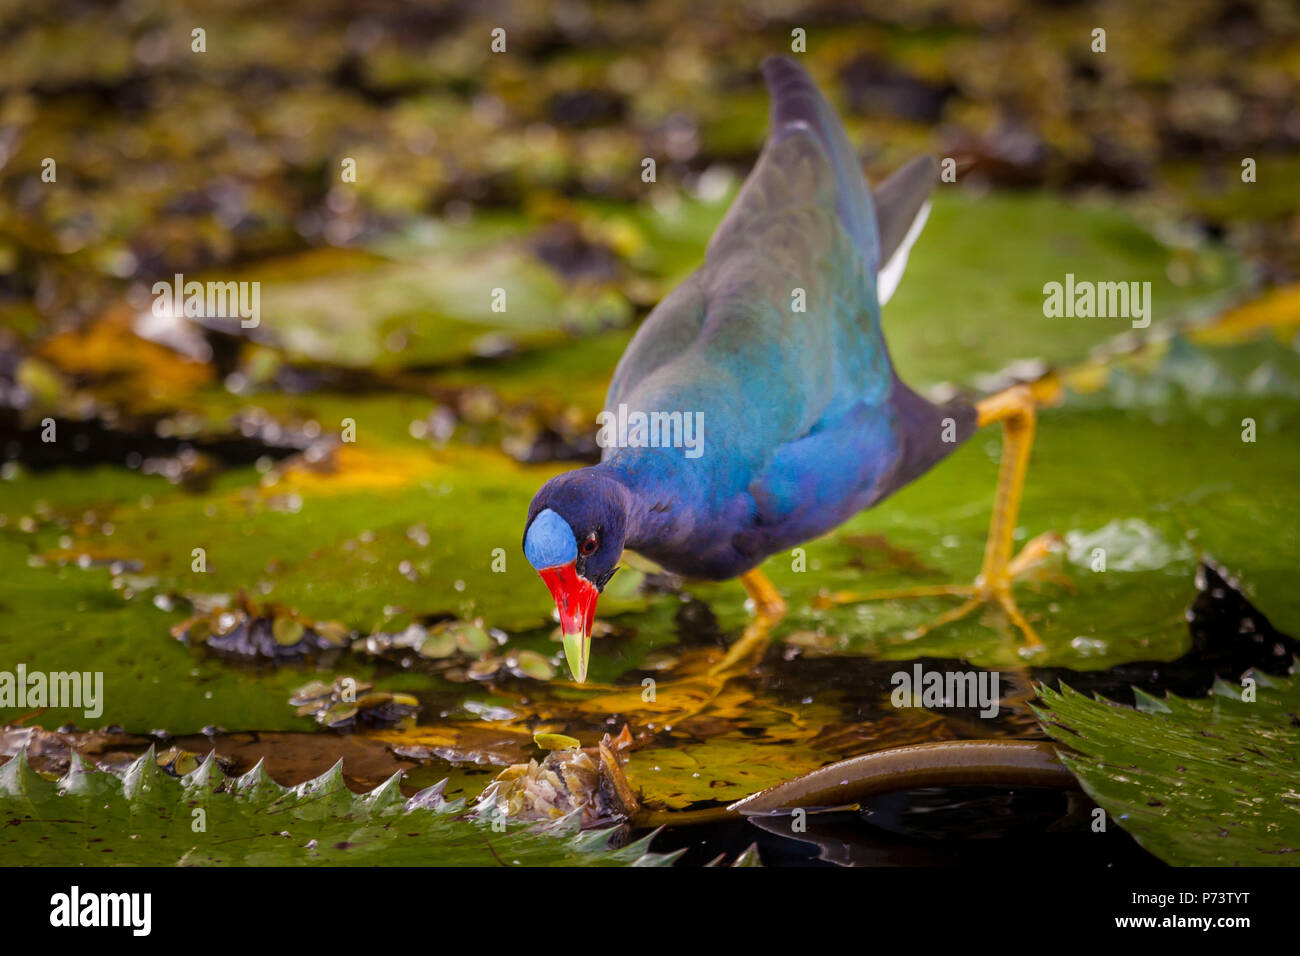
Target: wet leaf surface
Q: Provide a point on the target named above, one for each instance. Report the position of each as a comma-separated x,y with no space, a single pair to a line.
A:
1209,781
146,817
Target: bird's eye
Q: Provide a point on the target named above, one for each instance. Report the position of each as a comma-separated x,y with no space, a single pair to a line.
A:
590,545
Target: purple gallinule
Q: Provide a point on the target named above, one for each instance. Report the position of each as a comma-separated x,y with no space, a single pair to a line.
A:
776,343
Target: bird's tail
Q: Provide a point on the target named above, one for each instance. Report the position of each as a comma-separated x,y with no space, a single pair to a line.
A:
883,223
798,104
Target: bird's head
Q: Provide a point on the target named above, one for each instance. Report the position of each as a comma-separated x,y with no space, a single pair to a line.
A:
574,538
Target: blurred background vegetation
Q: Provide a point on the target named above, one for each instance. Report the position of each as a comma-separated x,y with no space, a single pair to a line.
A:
170,160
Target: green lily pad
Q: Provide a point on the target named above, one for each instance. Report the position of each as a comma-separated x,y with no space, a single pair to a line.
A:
978,271
146,817
719,770
437,309
1201,782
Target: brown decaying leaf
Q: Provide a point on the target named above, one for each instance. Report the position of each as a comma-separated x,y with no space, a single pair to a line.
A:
589,780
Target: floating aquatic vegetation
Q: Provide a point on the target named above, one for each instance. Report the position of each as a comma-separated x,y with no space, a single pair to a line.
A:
459,650
434,642
717,770
556,741
265,632
1212,781
348,704
568,780
142,815
518,663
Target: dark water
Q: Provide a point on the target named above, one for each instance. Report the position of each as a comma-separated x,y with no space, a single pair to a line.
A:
937,826
988,826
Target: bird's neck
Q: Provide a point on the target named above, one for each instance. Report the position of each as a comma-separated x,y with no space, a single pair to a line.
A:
663,498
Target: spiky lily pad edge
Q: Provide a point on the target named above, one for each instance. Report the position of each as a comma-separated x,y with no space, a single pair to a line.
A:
142,785
1137,776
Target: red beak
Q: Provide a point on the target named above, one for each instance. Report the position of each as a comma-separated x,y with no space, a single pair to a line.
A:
575,599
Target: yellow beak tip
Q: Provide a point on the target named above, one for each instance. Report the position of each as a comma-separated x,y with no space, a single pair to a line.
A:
577,648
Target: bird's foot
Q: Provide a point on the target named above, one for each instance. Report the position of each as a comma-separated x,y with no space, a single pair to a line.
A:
703,682
769,608
748,647
989,588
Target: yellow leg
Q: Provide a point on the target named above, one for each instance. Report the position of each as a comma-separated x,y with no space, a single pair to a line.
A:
769,608
767,599
1015,410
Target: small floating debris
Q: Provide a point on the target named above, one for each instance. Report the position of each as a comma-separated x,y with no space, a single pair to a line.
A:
348,704
176,761
525,663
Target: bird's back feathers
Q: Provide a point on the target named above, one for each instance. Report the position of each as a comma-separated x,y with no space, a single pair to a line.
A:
776,339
